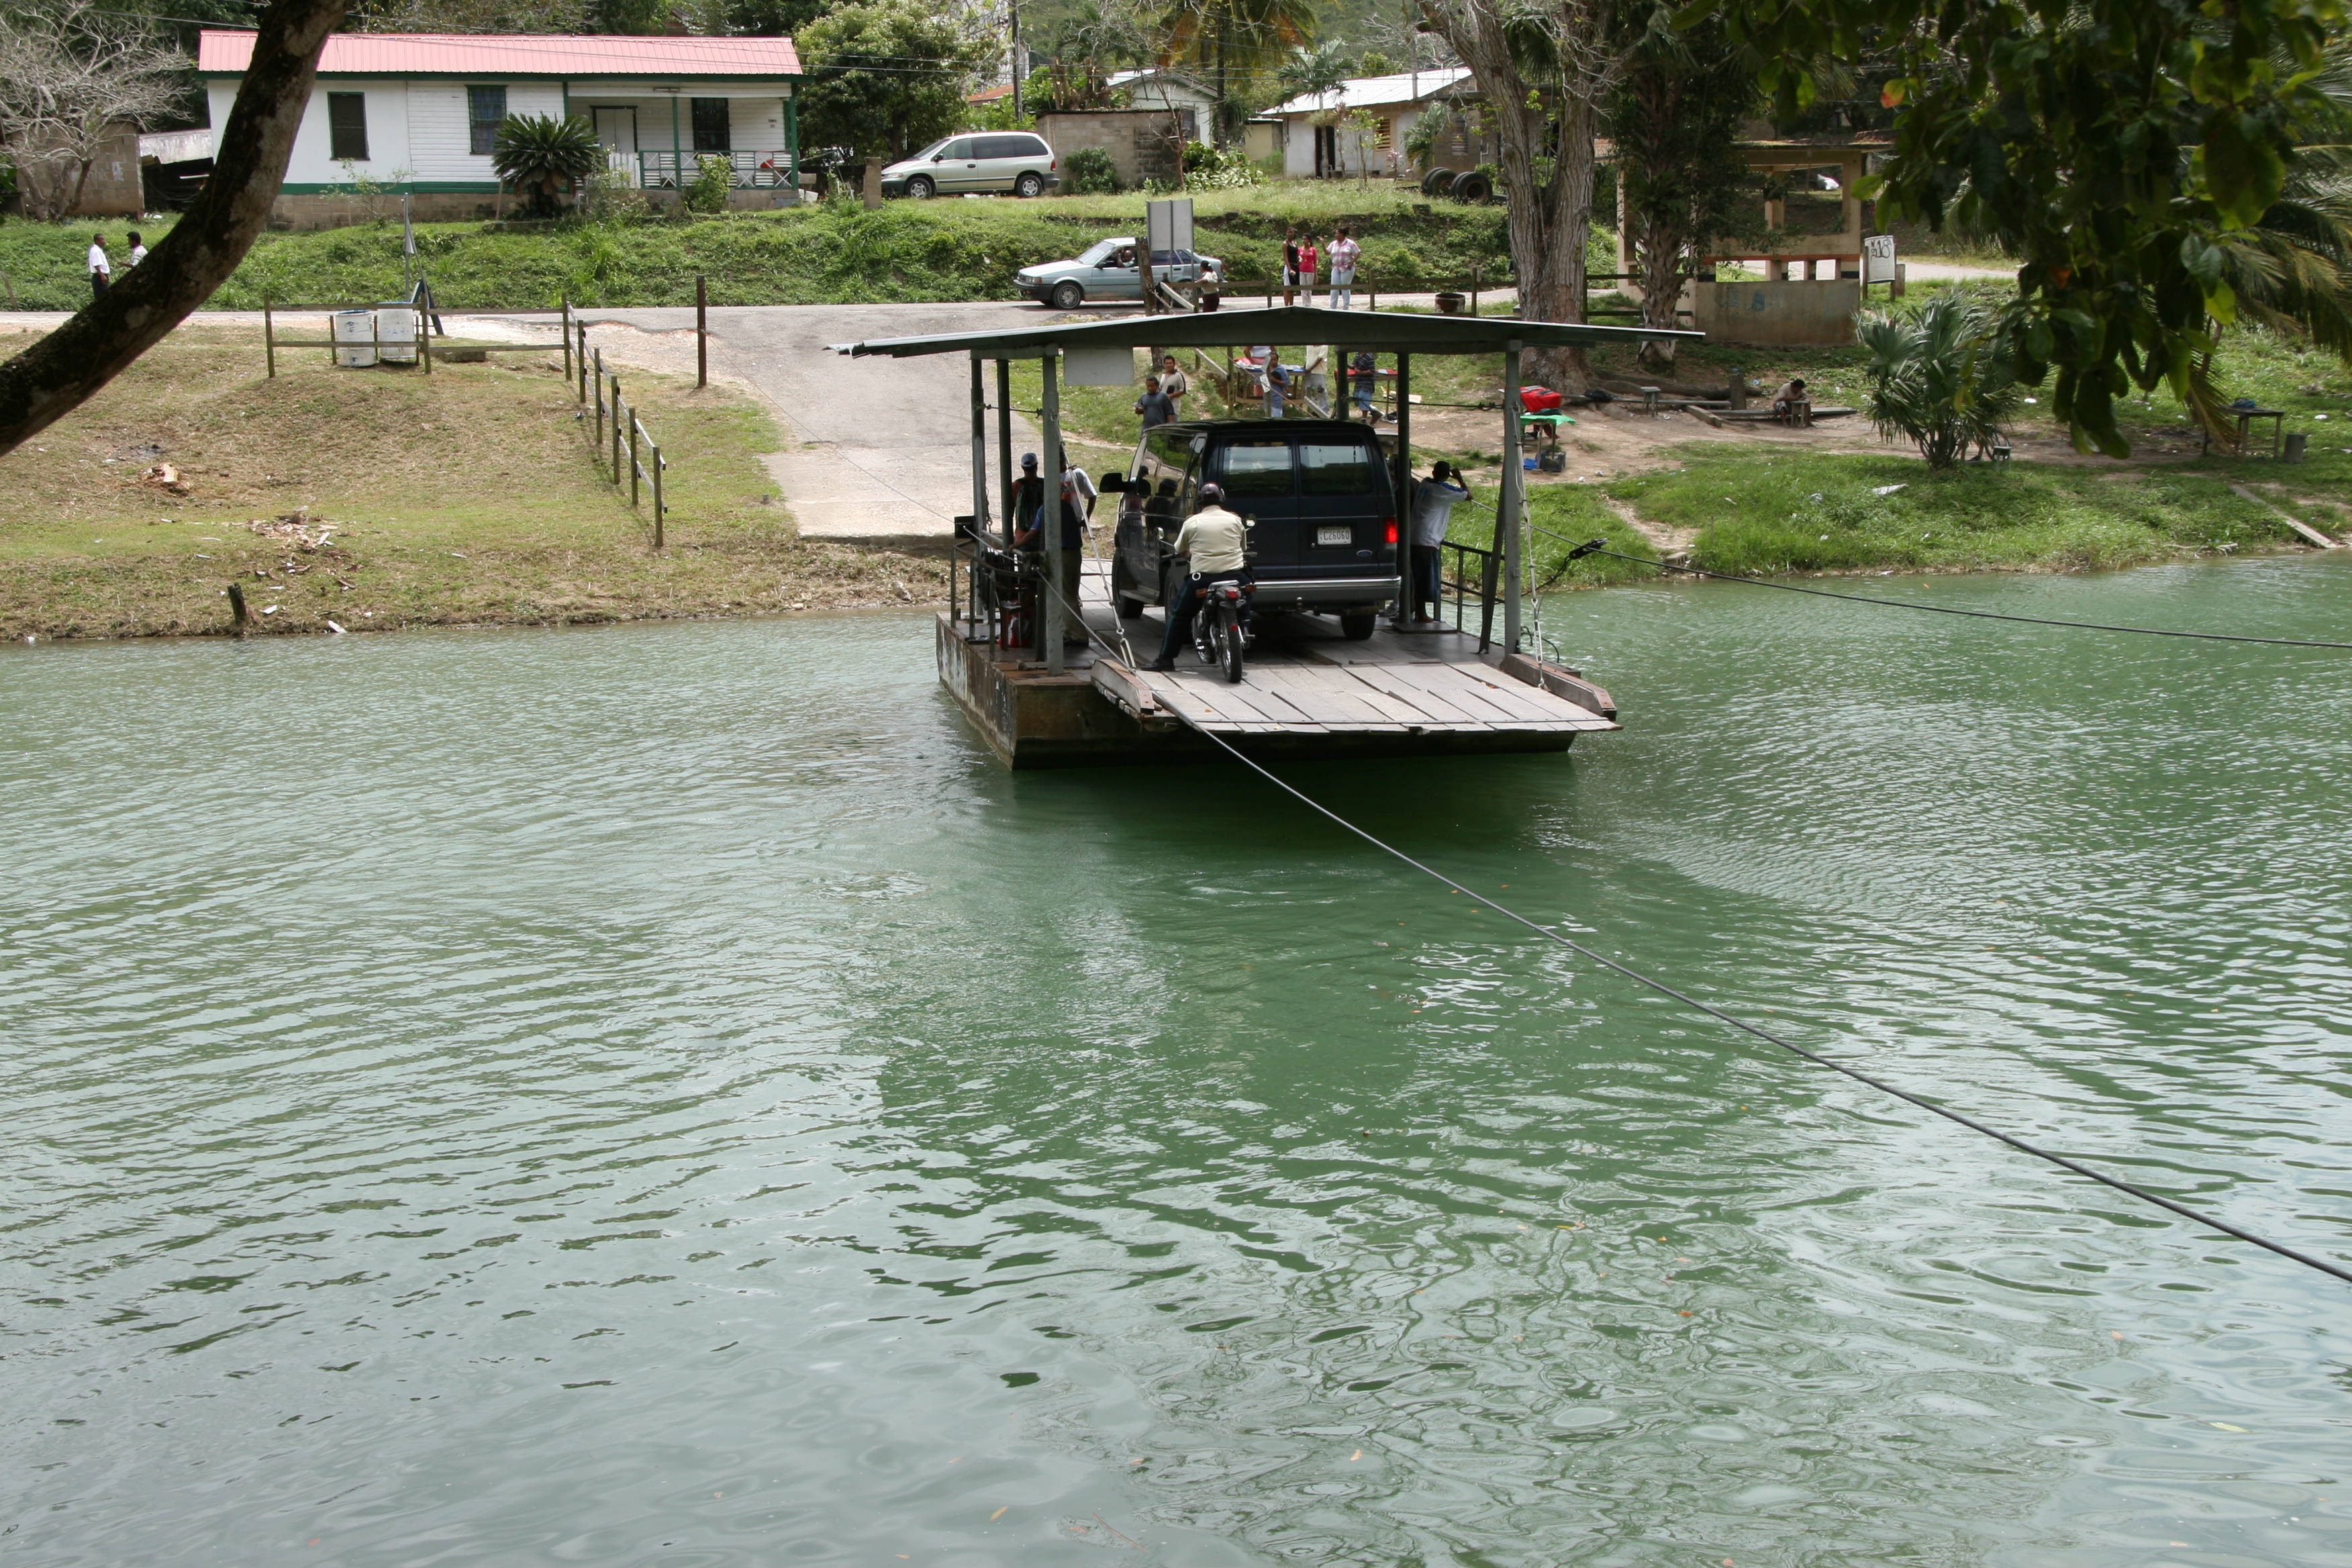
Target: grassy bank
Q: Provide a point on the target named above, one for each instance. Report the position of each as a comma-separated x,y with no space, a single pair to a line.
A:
1754,507
469,497
836,253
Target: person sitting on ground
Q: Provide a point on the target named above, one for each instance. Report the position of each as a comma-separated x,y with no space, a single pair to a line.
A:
1434,500
1791,394
1156,407
1218,543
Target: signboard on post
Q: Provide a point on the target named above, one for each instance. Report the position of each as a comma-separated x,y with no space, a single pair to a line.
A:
1167,228
1878,259
1168,225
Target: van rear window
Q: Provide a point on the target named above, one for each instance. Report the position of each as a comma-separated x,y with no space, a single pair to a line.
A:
1337,470
1258,469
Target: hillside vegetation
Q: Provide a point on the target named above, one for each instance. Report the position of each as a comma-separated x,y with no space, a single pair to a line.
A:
835,253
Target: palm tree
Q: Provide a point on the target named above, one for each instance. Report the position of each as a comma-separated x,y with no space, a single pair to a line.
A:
1230,38
540,154
1937,381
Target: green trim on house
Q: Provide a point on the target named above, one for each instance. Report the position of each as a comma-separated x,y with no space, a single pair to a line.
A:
414,188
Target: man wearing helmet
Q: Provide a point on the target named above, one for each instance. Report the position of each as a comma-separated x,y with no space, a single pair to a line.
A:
1218,543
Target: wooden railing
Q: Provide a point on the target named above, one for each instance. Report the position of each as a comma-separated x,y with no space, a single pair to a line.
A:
635,452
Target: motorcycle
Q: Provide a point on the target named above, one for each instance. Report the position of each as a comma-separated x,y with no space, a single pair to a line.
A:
1220,633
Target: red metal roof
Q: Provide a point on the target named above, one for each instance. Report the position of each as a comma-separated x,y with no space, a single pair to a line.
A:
553,53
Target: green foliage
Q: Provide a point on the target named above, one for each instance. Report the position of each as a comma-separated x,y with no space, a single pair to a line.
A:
1937,381
1677,105
886,75
1809,511
1208,168
714,182
541,155
2113,145
1089,171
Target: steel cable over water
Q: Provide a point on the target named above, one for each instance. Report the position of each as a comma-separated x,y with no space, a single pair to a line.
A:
1660,986
1596,547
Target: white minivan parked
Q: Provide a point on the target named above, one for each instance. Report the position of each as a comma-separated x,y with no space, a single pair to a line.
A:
992,161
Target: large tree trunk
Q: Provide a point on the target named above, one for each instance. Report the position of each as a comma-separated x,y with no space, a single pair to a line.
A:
1549,222
55,375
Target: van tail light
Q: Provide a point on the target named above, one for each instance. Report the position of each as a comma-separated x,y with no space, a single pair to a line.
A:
1387,531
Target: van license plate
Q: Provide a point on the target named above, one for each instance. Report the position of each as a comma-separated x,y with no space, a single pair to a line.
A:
1335,536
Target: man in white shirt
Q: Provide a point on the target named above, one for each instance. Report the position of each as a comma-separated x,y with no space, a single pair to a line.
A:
102,267
1218,543
1344,251
1434,500
138,248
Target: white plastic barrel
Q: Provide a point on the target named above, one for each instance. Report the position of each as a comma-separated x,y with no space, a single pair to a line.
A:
355,327
395,322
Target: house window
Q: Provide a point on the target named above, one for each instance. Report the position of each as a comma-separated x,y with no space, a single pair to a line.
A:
710,133
347,127
484,107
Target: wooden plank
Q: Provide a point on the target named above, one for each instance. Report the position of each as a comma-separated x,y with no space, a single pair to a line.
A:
1364,687
1212,704
1511,696
1441,710
1433,687
1340,700
1491,697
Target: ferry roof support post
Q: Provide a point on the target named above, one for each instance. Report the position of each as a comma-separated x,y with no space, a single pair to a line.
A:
1005,475
979,476
1405,546
1507,513
1049,524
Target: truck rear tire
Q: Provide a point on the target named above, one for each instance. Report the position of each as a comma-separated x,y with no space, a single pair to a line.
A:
1357,625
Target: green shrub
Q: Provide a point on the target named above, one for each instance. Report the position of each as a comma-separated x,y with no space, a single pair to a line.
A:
1089,171
1936,380
1208,168
714,182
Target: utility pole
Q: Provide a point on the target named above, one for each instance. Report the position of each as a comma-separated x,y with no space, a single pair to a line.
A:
1013,8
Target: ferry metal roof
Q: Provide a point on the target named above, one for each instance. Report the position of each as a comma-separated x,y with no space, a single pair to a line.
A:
1383,332
513,54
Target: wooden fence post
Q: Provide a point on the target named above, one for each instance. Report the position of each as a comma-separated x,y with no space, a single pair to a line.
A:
240,618
616,430
636,437
424,337
268,338
567,340
600,402
701,329
657,496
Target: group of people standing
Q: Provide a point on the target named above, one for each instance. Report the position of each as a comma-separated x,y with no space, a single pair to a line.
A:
1301,258
101,265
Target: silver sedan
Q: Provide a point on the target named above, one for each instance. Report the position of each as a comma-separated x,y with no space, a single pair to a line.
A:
1108,271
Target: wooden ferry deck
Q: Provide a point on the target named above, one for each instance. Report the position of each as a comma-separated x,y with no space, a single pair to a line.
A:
1306,690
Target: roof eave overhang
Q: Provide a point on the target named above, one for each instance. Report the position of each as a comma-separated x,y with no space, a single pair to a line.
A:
1384,331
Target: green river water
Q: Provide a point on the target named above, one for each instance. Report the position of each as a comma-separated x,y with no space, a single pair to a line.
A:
663,1095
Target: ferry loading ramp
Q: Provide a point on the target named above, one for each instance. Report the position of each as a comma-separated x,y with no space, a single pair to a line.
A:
1471,686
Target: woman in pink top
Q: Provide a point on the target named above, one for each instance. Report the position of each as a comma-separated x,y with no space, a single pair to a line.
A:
1307,259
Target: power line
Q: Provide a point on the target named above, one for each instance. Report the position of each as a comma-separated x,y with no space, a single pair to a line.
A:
1595,547
2118,1184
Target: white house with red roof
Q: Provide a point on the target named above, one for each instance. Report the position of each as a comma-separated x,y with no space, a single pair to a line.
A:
417,112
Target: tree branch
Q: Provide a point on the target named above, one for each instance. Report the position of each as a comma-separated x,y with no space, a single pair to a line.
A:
56,375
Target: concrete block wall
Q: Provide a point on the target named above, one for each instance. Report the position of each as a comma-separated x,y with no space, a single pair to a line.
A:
1143,143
